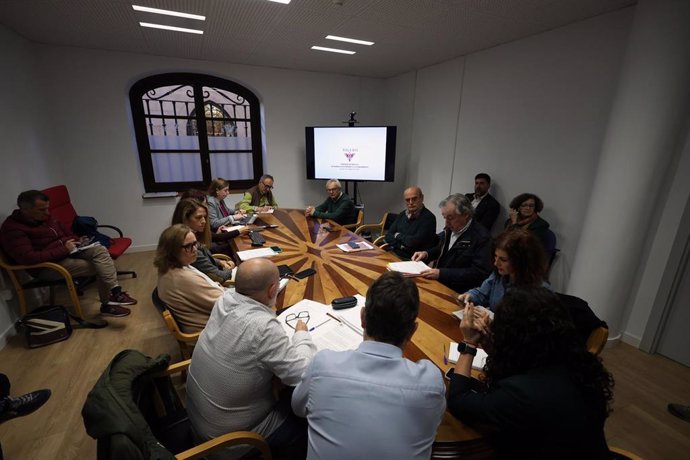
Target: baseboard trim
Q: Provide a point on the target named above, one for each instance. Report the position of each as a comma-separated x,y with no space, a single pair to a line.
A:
142,248
631,339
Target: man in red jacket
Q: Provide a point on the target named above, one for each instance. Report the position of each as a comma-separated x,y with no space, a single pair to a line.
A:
30,236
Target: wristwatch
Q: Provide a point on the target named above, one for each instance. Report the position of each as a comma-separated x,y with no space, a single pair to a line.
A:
466,348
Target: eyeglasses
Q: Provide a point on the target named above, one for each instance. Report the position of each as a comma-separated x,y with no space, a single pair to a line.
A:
292,318
267,187
191,246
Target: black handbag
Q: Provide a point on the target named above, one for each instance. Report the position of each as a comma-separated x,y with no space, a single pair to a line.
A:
51,324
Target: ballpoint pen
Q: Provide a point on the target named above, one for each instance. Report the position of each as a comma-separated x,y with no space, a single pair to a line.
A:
445,358
334,317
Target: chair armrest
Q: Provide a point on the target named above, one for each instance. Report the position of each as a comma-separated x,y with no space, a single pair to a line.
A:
227,440
53,266
222,257
364,227
113,228
381,242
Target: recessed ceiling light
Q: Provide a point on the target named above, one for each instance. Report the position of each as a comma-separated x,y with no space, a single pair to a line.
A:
332,50
176,29
280,1
349,40
146,9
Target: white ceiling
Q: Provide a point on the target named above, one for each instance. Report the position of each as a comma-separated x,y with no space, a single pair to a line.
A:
409,34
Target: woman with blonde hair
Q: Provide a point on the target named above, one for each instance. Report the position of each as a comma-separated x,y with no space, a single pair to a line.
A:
194,214
188,292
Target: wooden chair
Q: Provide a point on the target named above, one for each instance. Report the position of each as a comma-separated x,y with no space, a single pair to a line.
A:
622,454
74,286
360,218
62,210
597,340
153,399
185,340
379,228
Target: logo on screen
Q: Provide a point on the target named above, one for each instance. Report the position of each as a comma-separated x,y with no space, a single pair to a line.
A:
349,153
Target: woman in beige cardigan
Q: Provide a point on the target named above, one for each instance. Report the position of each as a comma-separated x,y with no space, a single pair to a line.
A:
189,293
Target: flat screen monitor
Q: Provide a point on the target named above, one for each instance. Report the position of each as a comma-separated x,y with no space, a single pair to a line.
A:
359,153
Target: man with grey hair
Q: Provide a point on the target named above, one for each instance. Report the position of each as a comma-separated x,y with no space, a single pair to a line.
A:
463,258
260,197
337,207
241,356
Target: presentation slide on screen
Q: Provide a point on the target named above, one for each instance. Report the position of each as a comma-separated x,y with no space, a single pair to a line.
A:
350,153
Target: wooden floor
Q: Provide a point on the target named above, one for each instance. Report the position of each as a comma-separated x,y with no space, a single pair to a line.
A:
645,384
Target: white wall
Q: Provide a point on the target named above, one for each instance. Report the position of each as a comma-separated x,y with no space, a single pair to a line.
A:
25,126
95,138
531,113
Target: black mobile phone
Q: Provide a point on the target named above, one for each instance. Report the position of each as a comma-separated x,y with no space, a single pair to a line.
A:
276,249
353,244
304,273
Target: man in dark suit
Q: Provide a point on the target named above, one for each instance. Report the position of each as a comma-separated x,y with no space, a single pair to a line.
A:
463,258
485,206
414,228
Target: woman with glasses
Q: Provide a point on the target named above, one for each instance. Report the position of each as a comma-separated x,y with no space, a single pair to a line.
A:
218,213
524,213
519,261
188,292
194,214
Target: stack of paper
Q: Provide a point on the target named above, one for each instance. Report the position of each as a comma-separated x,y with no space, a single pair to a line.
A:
460,313
477,363
409,268
253,253
362,246
328,332
352,316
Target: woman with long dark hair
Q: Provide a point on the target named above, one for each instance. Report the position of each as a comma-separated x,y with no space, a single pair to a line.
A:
519,260
543,394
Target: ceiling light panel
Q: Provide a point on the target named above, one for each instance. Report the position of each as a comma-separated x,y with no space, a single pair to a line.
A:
280,1
349,40
332,50
146,9
173,28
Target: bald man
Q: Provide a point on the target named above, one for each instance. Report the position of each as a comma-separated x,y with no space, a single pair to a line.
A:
415,228
240,357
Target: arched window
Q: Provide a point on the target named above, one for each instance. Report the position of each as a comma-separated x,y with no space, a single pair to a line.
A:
191,128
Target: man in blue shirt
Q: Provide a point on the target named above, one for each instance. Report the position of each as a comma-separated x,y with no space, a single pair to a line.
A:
372,402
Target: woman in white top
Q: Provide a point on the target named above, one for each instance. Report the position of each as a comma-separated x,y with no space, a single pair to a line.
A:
189,293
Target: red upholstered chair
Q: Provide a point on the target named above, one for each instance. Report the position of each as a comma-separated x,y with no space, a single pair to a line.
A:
62,210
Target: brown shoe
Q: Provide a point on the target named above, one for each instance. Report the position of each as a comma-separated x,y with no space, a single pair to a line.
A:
114,310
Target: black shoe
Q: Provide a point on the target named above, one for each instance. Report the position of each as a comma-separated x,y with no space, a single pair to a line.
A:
114,310
680,411
24,405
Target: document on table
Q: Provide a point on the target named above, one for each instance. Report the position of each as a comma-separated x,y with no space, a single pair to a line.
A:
254,253
352,316
477,363
460,313
326,331
409,268
362,246
234,227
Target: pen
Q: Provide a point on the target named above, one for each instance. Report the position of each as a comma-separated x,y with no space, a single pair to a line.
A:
334,317
445,359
